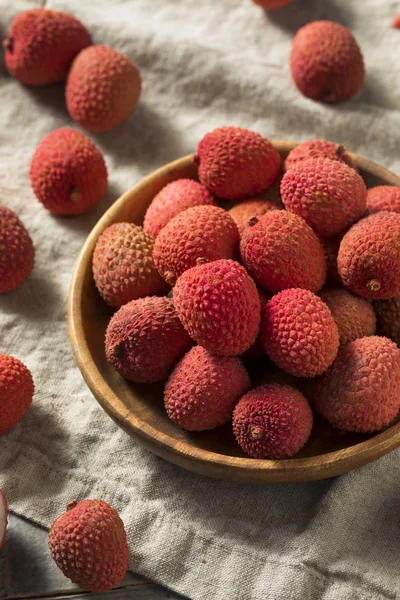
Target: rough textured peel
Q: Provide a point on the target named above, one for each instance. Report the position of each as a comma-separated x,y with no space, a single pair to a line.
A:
318,149
244,212
354,316
383,197
17,255
16,392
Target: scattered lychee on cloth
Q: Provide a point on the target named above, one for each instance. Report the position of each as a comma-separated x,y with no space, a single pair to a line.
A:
203,65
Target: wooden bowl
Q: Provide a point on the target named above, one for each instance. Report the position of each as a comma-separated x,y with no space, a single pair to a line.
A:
138,408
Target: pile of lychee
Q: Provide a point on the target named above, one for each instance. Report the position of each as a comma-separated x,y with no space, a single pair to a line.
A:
300,280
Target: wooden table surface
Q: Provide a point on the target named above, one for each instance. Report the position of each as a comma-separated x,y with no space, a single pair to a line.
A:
27,571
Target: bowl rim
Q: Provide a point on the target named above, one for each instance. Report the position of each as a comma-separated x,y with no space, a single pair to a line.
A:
227,467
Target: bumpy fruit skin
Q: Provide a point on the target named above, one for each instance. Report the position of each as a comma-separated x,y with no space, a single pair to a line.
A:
299,333
354,316
388,318
383,197
42,44
103,88
237,163
272,4
198,234
219,306
3,517
123,265
327,194
369,257
243,212
88,543
68,173
272,421
174,198
203,389
318,149
145,338
281,251
360,392
326,62
16,392
331,249
17,254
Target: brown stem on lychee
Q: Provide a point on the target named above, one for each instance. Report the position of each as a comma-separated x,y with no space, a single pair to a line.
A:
8,45
75,196
256,433
71,504
374,285
340,150
252,221
201,260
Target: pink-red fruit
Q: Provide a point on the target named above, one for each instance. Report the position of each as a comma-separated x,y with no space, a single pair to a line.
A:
145,338
281,251
396,22
327,194
68,173
272,421
360,392
244,212
354,316
42,44
237,163
103,88
369,257
271,4
17,254
318,149
388,318
16,392
298,333
123,265
174,198
383,197
198,234
326,62
88,543
3,517
203,389
219,306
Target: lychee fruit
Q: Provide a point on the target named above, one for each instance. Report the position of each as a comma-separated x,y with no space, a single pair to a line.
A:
396,22
318,149
272,421
328,195
369,257
360,392
198,234
16,392
272,4
3,517
354,316
244,212
68,173
281,251
103,88
326,62
237,163
42,44
219,305
174,198
388,318
203,389
145,338
123,265
331,249
299,333
383,197
88,543
17,253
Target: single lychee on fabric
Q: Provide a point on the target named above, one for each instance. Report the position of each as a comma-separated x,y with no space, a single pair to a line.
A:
383,197
145,339
68,173
388,318
329,195
174,198
244,212
354,316
281,251
360,392
17,253
3,517
272,4
369,257
203,389
88,543
198,234
236,163
103,88
42,44
123,265
219,305
318,149
272,421
16,392
326,62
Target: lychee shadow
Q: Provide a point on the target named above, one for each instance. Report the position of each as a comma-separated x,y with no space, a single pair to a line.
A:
51,97
298,13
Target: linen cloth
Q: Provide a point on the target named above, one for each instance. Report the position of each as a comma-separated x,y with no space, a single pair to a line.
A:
204,64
